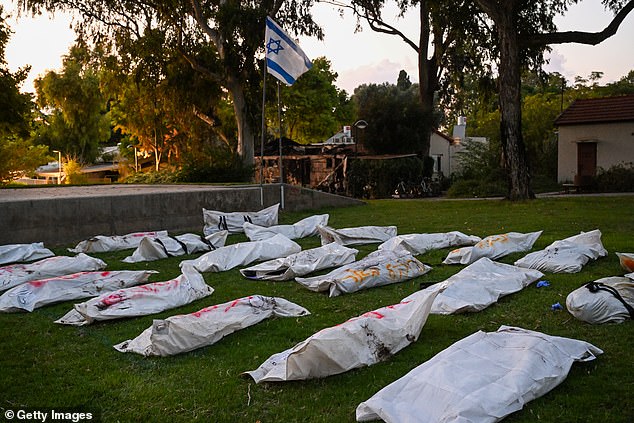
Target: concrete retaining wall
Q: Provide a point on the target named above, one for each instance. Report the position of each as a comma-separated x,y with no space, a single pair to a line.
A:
63,216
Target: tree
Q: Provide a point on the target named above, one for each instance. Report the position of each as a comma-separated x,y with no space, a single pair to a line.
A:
449,38
229,27
18,155
524,30
78,121
314,108
395,117
141,106
15,107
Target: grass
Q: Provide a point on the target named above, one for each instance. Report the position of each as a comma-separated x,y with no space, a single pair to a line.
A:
44,365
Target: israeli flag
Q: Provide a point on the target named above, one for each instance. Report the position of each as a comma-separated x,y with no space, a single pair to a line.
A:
284,59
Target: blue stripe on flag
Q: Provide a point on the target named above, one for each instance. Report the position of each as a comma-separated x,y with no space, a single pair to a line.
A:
280,71
291,43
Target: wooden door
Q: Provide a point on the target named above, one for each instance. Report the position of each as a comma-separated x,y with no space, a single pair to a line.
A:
586,162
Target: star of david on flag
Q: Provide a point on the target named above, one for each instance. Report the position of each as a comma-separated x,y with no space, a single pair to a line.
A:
284,59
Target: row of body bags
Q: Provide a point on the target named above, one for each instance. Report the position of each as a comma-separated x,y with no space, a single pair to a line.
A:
567,255
392,263
483,377
511,353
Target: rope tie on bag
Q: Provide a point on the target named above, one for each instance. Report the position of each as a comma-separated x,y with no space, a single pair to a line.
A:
595,287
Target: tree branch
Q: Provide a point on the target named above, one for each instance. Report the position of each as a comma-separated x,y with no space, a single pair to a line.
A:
380,26
376,24
200,68
591,38
212,33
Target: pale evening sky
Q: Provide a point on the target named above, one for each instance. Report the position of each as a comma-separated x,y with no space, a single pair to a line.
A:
358,58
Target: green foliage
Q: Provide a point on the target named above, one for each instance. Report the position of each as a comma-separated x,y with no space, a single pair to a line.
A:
72,169
164,176
314,108
159,102
232,169
77,122
480,173
229,33
377,178
493,186
15,107
477,160
394,115
75,368
539,112
618,178
544,97
19,157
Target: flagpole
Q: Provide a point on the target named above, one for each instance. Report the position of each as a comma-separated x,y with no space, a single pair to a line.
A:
279,117
287,62
263,135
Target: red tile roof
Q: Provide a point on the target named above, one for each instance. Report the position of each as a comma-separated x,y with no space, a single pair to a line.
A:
598,110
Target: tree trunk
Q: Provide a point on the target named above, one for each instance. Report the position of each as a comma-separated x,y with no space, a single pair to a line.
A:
246,133
509,80
426,77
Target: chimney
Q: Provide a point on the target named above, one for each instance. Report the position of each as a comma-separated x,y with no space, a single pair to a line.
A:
460,130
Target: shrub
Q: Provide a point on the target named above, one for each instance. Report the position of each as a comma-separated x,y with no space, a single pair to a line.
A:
378,178
494,184
165,176
228,170
72,169
618,178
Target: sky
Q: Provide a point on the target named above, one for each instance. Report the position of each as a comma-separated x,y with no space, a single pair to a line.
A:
358,58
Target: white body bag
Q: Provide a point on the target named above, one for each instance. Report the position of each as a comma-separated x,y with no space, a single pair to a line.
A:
38,293
567,255
157,248
479,285
140,300
187,332
606,300
493,247
17,274
481,378
356,236
17,253
103,243
421,243
302,263
244,253
216,221
301,229
376,269
361,341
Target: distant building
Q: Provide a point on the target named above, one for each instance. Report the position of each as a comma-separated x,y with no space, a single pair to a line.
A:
594,133
106,170
324,166
444,149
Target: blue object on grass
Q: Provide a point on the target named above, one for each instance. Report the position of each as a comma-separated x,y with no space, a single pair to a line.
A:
556,307
542,284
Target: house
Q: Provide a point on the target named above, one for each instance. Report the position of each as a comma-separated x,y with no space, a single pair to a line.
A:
320,166
594,133
324,166
445,149
105,170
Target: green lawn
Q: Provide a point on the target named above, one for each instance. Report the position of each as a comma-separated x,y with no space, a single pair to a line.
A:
47,365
